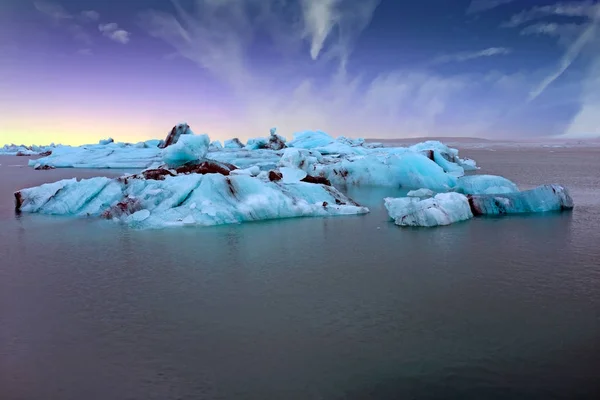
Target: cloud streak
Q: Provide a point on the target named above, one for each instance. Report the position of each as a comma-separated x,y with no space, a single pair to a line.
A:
586,9
217,36
478,6
113,32
472,55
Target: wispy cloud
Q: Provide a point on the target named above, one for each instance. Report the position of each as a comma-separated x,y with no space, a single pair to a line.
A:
550,29
585,9
53,10
472,55
478,6
112,31
321,17
62,17
217,36
90,15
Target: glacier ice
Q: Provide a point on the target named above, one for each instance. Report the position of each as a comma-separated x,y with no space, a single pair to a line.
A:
233,144
421,193
485,184
187,148
188,180
113,155
173,136
310,140
22,150
443,209
183,200
541,199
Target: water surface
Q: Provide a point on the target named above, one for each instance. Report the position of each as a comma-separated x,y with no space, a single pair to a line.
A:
319,308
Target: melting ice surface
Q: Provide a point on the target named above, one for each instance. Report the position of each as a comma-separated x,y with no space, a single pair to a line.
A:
443,209
194,199
190,181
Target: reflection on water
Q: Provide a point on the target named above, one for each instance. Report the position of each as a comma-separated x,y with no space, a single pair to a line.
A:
342,307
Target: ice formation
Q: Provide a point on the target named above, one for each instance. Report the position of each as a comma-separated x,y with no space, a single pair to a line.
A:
541,199
185,199
188,180
187,148
421,193
22,150
485,184
443,209
447,208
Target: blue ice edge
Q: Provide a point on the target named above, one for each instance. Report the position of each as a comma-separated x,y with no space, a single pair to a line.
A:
448,208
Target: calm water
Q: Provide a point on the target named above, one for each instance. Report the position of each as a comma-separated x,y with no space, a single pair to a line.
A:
335,308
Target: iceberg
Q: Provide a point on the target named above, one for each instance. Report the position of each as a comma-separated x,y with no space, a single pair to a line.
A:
408,170
185,199
485,184
233,144
273,142
443,209
541,199
22,150
310,140
215,146
175,134
187,148
421,193
113,155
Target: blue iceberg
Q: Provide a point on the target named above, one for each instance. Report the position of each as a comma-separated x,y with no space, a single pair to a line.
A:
443,209
541,199
185,199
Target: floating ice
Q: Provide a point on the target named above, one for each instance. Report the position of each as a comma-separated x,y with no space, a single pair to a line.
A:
443,209
291,175
193,199
188,148
310,140
541,199
420,193
485,184
408,170
22,150
215,146
233,144
175,134
101,156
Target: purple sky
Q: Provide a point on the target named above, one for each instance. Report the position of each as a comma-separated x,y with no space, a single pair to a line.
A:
76,71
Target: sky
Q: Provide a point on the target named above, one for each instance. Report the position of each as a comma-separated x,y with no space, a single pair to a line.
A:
76,71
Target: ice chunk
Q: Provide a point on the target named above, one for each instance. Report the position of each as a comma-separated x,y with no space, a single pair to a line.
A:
175,134
188,148
216,145
408,170
100,156
139,216
252,171
485,184
541,199
420,193
310,140
233,144
256,143
22,150
106,141
192,199
291,175
300,158
443,209
86,197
